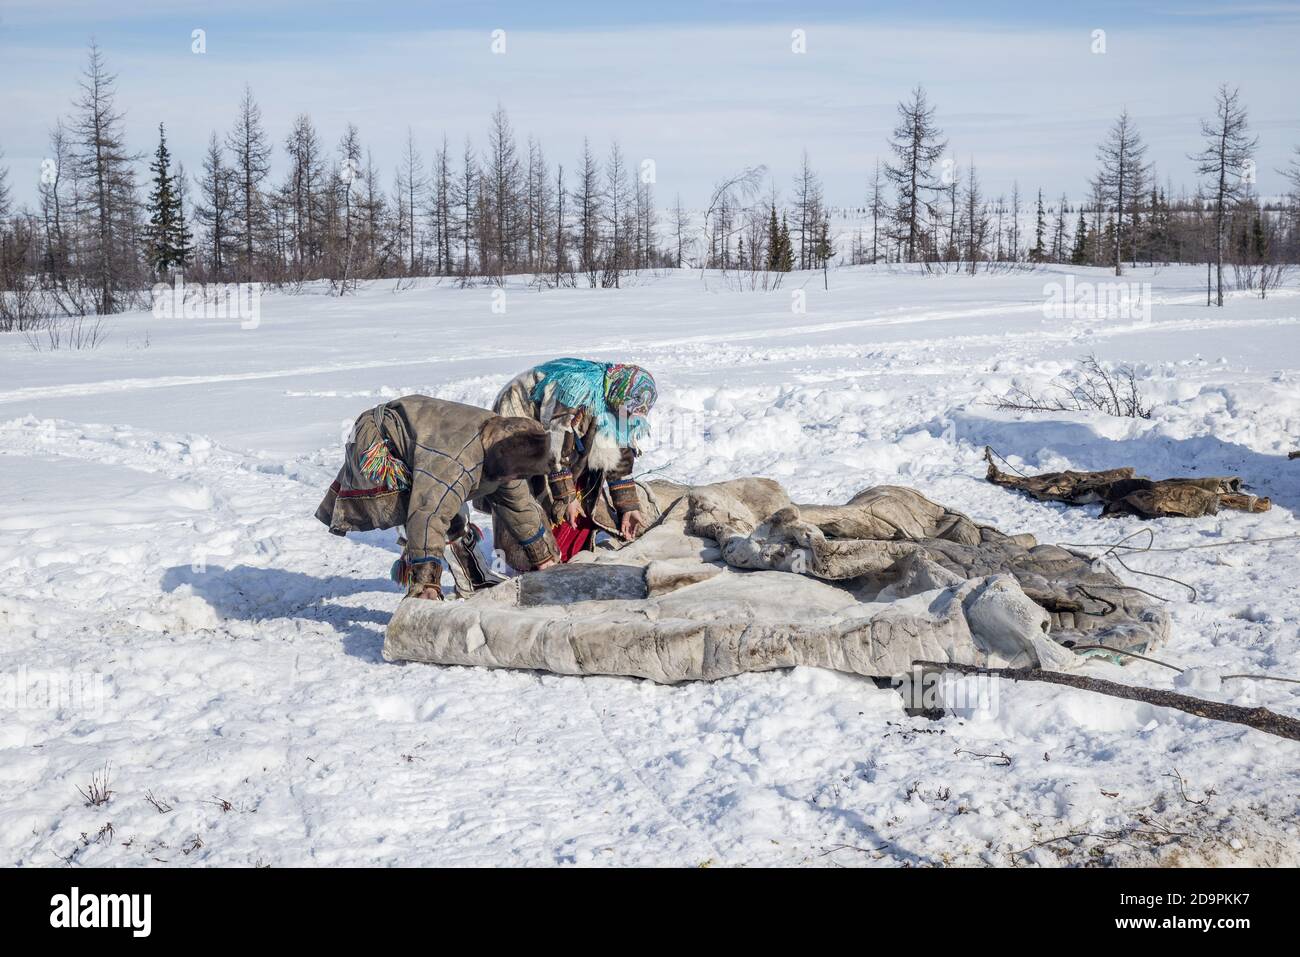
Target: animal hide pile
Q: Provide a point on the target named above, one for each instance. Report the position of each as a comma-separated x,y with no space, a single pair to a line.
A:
734,577
1123,492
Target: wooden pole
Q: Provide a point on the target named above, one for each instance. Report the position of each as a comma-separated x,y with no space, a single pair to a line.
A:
1261,719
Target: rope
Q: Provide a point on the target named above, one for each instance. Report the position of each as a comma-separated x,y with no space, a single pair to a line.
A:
1122,543
1177,548
658,468
1294,681
1165,664
1167,578
991,450
1097,598
1131,654
1112,550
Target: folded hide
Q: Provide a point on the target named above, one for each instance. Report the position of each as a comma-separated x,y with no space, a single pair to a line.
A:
1123,492
735,578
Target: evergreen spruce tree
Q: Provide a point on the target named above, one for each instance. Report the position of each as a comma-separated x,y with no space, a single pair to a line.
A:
1039,253
1079,255
786,262
1258,251
169,240
773,242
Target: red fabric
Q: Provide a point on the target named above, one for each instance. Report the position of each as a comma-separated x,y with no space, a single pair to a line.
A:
572,540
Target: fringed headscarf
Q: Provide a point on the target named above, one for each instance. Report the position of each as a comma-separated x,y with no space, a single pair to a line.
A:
618,396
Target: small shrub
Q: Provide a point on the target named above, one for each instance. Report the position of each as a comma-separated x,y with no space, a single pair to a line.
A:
1091,388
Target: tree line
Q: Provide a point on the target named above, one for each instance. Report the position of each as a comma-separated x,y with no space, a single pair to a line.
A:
940,214
96,239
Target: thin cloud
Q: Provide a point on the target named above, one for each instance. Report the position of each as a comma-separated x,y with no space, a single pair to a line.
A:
1028,104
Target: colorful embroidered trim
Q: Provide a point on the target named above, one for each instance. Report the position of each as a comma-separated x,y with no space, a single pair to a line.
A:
385,469
562,485
624,495
400,572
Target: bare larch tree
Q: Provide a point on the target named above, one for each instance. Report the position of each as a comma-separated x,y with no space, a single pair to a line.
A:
1121,176
917,146
1224,162
108,201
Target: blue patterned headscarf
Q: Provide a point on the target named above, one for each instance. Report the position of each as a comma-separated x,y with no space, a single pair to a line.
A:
618,396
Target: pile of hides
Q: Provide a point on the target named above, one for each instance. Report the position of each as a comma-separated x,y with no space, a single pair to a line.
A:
734,577
1123,492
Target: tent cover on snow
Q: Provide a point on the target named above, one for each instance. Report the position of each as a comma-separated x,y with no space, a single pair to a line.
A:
733,577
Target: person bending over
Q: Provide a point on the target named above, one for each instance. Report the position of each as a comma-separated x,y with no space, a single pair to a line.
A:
595,413
416,461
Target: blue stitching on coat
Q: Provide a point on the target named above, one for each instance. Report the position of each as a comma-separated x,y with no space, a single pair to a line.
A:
533,538
463,473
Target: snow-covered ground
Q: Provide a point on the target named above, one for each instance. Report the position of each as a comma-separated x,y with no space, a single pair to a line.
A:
165,590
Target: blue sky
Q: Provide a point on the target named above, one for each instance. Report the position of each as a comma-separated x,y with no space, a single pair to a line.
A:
702,88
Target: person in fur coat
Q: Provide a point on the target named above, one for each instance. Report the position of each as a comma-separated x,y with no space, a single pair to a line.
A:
417,461
595,414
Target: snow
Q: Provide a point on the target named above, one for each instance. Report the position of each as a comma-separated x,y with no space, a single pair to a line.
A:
158,537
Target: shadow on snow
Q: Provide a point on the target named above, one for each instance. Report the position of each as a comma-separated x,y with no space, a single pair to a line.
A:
1153,456
252,594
